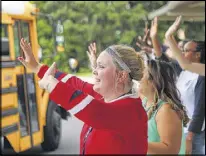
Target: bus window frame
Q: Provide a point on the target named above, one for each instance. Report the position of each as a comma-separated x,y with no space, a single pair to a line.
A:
6,36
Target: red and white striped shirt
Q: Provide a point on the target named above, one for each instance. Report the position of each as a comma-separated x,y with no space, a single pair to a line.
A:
119,127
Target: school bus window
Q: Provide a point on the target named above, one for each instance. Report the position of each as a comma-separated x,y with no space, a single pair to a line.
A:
16,40
25,29
4,40
30,80
21,30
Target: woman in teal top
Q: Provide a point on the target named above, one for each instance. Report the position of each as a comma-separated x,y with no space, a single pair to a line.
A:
153,135
166,114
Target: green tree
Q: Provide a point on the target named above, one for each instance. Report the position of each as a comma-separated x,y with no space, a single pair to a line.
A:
105,22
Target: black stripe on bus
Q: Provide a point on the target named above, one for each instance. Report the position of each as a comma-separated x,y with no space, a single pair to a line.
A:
8,64
9,129
9,112
8,90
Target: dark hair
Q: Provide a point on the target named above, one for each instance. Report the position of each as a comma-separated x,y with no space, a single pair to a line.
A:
200,48
163,77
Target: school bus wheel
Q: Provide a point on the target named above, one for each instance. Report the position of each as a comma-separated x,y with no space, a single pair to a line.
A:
53,128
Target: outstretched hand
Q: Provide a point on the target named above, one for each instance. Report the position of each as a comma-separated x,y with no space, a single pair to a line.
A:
154,27
144,43
29,62
173,28
48,82
92,54
145,46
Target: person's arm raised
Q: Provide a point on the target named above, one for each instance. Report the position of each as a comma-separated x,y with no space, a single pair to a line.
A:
185,64
144,42
29,62
92,54
95,113
154,37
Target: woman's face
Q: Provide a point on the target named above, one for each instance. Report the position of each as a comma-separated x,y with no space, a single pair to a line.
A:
104,75
145,86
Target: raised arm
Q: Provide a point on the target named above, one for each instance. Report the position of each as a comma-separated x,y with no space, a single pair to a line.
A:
153,35
198,68
185,64
92,54
144,43
31,63
70,79
94,112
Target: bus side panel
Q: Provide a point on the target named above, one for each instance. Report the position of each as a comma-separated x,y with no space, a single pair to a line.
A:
8,77
14,139
9,120
38,138
9,89
44,106
8,101
25,143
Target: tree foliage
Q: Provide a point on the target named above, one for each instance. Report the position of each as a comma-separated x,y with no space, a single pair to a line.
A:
105,22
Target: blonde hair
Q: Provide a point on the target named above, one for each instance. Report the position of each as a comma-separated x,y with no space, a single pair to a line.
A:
132,59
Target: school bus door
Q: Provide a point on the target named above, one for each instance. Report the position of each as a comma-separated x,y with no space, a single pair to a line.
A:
27,99
23,108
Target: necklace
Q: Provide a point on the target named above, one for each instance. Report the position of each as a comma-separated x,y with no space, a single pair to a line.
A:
148,108
130,92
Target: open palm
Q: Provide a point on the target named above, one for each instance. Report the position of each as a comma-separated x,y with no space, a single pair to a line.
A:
29,62
154,27
173,28
92,54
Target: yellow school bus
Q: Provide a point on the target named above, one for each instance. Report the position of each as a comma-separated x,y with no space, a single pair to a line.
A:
28,117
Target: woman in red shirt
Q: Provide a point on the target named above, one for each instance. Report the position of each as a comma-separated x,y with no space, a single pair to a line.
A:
115,120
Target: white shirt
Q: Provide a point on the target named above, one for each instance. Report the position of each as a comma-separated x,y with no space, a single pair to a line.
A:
186,85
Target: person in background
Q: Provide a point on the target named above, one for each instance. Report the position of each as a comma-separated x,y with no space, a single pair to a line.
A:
196,48
166,114
146,46
181,45
73,64
115,120
191,87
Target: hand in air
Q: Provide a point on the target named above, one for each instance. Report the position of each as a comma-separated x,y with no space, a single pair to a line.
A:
48,82
92,54
29,62
173,28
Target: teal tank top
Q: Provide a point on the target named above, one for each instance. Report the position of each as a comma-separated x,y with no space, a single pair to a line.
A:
153,135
